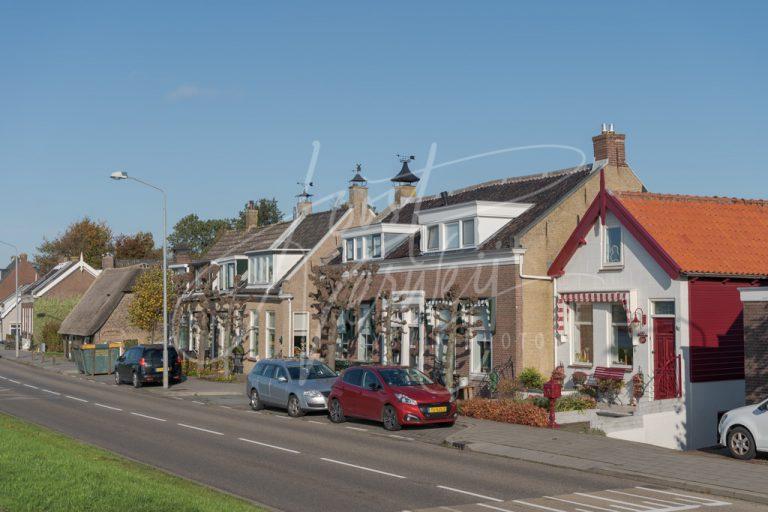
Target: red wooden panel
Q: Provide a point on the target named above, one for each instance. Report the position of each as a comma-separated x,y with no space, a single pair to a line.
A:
665,369
716,330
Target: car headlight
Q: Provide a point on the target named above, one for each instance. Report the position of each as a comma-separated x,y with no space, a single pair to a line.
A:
405,399
312,393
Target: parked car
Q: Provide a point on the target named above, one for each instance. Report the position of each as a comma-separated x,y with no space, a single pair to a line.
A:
393,395
744,430
144,363
298,385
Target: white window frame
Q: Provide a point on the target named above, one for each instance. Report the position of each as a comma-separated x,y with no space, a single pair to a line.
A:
474,232
604,247
442,238
253,334
614,348
488,334
426,238
575,331
297,331
254,269
270,322
349,249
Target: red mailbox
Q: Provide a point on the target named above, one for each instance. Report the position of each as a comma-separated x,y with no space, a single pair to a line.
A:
552,390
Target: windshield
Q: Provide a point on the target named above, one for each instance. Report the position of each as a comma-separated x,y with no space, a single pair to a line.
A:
404,377
310,371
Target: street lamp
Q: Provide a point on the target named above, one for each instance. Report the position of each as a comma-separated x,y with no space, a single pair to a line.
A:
122,175
18,298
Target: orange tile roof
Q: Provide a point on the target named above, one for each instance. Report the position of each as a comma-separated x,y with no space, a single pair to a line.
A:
705,235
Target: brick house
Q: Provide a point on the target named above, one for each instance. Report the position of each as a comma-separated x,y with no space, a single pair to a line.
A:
66,280
265,270
27,275
755,302
101,316
491,242
649,285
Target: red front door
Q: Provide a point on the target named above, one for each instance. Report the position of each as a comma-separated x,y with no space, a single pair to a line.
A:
665,362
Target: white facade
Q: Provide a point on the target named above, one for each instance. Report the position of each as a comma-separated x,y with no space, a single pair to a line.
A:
685,423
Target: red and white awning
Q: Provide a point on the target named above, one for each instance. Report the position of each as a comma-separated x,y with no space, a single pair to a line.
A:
590,297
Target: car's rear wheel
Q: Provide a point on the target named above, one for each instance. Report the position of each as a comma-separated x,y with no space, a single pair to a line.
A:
741,444
389,418
254,400
335,411
294,407
117,378
136,380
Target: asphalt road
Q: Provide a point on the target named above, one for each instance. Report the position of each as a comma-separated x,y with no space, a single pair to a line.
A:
276,461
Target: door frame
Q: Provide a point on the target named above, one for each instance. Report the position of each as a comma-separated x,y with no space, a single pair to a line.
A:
675,347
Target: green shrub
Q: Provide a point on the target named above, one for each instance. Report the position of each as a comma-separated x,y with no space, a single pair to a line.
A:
579,378
575,403
531,378
507,411
49,335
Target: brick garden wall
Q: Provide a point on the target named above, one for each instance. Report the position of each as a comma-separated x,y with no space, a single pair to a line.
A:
756,351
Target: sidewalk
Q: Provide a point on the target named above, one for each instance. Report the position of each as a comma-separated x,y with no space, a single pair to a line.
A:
693,471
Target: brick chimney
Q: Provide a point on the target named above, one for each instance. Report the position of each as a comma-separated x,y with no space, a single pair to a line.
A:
108,261
358,190
610,145
405,182
251,216
23,257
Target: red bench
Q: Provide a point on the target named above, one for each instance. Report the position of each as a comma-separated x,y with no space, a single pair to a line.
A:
606,373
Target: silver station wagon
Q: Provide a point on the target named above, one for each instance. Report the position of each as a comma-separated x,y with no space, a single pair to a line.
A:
298,385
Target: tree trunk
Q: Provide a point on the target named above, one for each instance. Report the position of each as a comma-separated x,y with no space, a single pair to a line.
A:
450,356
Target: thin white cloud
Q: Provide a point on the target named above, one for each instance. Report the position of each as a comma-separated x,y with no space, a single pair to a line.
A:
189,92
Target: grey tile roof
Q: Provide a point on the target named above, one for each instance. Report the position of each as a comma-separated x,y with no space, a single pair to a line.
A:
52,275
101,299
304,236
543,190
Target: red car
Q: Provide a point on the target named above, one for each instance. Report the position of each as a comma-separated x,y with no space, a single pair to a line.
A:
394,395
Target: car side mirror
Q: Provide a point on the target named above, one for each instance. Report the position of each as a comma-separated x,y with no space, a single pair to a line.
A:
763,407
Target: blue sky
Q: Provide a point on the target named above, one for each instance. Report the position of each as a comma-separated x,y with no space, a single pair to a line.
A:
221,102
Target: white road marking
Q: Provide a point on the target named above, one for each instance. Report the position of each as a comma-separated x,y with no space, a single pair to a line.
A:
107,407
652,499
316,422
361,467
14,381
52,392
621,503
542,507
358,429
4,378
580,504
225,407
268,445
148,417
401,437
198,402
31,386
75,398
200,429
708,502
469,493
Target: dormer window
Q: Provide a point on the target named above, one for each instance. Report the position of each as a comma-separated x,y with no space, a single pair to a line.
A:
451,235
362,248
613,250
227,276
260,269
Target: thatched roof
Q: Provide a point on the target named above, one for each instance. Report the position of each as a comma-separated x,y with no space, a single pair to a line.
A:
101,299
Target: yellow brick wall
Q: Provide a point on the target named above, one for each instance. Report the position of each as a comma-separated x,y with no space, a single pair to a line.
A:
542,243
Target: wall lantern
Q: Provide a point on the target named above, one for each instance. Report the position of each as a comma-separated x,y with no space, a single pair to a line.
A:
639,325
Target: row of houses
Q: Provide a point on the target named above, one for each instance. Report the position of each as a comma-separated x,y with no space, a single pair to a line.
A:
581,268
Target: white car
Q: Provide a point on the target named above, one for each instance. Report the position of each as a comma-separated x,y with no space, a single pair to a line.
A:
744,430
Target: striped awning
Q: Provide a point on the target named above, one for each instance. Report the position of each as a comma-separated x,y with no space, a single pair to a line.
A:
589,297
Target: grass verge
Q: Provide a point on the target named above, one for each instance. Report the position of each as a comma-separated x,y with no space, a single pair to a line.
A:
43,470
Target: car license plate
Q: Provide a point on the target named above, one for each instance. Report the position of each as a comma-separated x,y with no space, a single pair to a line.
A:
434,410
159,369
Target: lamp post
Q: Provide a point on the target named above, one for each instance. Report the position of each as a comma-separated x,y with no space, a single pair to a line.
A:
121,175
18,298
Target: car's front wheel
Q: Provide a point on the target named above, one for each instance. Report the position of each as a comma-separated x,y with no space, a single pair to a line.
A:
741,444
294,407
254,401
335,411
389,418
136,380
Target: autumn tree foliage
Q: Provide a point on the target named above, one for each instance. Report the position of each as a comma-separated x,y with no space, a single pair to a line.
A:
92,239
146,309
196,234
136,247
269,213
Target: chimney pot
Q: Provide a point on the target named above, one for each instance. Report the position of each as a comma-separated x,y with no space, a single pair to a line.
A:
609,145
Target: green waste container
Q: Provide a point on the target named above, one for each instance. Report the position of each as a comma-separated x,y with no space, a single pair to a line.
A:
97,359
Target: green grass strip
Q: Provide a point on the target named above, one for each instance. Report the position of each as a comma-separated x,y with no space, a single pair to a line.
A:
43,470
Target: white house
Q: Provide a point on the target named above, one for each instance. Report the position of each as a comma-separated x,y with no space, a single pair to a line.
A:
648,284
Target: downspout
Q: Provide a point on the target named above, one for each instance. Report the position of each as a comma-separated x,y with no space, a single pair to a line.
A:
290,327
554,284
